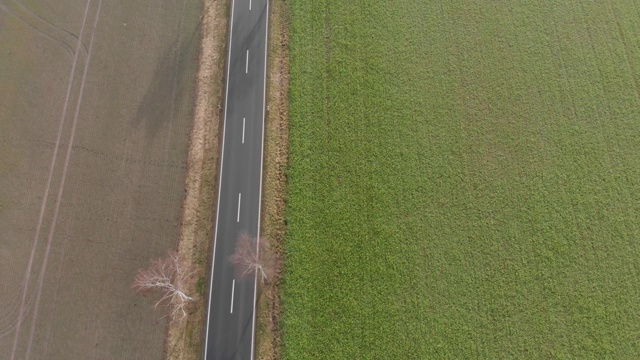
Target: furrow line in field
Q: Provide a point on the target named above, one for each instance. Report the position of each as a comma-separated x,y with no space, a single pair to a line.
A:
54,158
43,268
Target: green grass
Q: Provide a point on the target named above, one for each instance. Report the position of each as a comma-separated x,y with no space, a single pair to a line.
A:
200,285
464,180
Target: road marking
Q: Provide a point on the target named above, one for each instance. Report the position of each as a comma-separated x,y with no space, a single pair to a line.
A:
233,289
249,5
243,121
246,70
239,201
224,129
264,107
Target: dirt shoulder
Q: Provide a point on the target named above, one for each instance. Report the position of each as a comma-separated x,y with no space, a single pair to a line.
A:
184,340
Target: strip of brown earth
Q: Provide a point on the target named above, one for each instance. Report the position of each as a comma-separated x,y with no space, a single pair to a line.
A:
184,339
276,158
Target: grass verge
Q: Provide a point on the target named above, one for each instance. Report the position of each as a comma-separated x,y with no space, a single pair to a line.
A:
464,180
268,339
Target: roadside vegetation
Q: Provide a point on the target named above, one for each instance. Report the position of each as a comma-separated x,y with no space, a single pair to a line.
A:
276,155
464,180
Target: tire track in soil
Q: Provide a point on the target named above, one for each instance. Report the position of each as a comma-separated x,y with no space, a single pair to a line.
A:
54,157
43,268
9,328
112,156
42,26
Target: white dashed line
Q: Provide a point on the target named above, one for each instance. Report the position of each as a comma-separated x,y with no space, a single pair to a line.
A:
246,69
239,200
243,121
249,5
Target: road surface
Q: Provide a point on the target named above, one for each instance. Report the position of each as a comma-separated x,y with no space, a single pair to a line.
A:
230,332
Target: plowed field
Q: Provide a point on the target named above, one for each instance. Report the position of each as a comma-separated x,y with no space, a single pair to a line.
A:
95,111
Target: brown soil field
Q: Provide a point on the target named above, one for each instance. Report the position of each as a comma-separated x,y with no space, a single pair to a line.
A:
94,141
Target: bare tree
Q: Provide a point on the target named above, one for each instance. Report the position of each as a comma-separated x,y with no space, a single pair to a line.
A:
253,256
166,278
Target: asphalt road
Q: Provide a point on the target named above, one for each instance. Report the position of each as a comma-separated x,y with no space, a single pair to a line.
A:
231,319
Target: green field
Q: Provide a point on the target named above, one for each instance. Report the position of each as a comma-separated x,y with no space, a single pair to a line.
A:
464,180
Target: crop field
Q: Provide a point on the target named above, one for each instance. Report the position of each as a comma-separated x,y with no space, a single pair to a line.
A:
464,180
95,113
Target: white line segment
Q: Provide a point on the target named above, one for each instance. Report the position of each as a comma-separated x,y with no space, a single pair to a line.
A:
249,5
246,70
264,108
224,129
233,289
243,121
239,202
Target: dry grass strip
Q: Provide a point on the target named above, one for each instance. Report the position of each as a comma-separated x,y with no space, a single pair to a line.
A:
276,157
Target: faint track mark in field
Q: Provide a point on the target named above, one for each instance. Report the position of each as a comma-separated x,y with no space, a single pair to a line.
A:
118,220
174,90
7,311
122,157
10,309
6,324
34,245
8,327
130,160
327,80
54,301
65,167
627,53
41,26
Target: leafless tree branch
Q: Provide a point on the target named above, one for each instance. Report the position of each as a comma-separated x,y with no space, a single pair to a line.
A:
166,278
254,256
